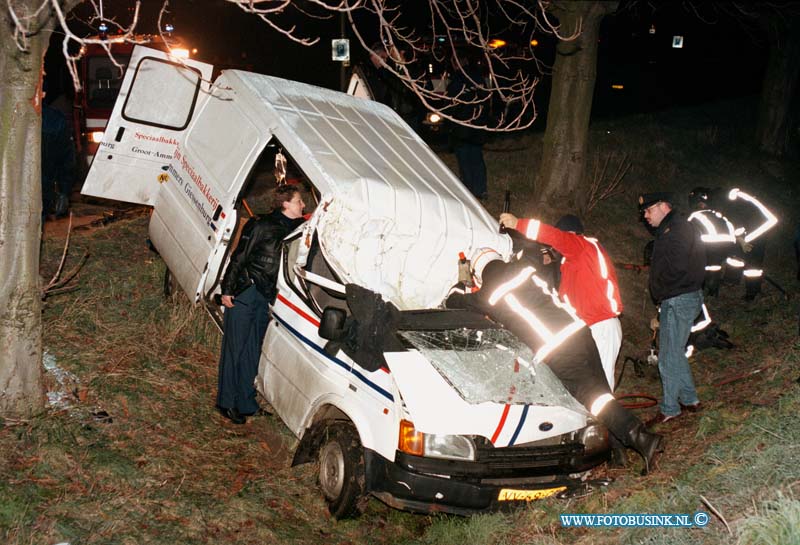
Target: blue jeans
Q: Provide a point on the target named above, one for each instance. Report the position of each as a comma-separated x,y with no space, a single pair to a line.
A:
675,324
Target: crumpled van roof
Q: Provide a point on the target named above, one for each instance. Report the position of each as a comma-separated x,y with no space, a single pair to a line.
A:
396,217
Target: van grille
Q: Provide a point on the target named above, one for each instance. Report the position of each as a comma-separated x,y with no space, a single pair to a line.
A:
527,457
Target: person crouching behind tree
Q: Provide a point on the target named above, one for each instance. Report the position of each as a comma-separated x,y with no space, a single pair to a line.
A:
513,295
248,288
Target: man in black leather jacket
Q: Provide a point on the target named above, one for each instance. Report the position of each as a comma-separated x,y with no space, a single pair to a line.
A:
248,288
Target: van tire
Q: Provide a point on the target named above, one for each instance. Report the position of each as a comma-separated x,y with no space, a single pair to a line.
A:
341,474
170,283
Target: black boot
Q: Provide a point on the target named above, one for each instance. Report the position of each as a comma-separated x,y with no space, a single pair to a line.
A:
232,414
619,458
631,432
647,444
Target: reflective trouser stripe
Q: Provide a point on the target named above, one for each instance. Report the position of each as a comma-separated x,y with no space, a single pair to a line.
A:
600,403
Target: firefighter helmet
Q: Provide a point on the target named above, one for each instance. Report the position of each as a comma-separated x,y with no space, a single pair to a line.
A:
479,259
700,195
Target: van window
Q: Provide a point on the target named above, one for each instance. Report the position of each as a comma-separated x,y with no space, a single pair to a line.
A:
163,94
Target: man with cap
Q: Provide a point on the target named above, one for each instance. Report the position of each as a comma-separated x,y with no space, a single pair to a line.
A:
513,295
676,285
588,280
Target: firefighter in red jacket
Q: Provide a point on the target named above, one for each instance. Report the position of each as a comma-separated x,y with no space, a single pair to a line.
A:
588,280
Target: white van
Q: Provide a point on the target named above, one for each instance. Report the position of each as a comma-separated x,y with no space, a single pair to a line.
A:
440,410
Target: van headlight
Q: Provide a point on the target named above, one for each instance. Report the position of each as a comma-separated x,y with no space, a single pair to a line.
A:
450,447
594,438
96,136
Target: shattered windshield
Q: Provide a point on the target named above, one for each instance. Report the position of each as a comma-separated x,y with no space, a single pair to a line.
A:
491,365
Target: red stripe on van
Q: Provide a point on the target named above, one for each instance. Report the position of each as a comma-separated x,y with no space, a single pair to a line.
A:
501,424
298,310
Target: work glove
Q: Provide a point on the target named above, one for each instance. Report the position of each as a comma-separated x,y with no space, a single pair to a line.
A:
745,246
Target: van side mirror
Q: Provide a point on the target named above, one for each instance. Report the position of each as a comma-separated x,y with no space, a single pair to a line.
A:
331,326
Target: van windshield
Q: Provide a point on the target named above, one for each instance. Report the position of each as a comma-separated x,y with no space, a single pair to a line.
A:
491,365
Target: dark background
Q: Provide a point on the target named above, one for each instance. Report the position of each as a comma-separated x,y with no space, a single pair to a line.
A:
721,58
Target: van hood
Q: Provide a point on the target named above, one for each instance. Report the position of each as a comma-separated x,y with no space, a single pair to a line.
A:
481,382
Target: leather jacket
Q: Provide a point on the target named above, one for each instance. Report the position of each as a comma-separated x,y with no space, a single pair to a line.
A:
256,259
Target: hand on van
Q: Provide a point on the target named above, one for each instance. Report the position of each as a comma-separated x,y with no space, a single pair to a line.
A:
508,220
227,300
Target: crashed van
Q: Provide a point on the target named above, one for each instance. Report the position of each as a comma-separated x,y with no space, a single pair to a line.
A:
390,394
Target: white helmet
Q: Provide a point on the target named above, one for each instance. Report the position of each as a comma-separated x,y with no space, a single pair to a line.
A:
479,259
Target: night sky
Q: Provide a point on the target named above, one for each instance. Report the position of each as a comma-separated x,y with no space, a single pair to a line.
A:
718,60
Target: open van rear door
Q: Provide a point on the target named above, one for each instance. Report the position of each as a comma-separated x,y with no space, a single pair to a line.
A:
185,148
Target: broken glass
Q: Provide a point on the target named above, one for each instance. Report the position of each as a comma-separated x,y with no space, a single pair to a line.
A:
491,365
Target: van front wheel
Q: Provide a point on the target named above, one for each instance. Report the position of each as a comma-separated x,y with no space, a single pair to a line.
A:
341,471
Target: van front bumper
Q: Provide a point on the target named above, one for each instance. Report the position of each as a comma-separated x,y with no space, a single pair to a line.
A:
402,485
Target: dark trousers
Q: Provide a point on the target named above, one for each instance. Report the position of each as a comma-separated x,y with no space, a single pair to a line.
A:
471,167
244,327
577,364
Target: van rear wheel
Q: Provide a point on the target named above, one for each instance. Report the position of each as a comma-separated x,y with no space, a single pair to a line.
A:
170,283
341,471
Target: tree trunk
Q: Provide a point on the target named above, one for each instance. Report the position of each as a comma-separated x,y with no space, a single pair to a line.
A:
560,181
780,83
20,218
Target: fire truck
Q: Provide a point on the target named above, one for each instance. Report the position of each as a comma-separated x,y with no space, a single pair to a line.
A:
100,84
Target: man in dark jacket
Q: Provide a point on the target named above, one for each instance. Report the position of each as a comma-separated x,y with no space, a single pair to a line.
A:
248,288
676,285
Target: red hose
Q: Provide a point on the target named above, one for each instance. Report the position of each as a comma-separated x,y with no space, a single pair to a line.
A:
649,401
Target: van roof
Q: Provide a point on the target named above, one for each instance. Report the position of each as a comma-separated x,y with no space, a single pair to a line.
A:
397,217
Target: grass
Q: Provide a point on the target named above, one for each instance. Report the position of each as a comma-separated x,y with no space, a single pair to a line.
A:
139,456
777,522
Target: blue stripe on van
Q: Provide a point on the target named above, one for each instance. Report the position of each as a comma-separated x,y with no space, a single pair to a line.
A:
335,360
519,426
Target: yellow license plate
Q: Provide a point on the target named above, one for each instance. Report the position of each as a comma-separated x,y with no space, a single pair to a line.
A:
509,494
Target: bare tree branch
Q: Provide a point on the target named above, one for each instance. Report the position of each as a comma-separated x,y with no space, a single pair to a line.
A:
505,83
